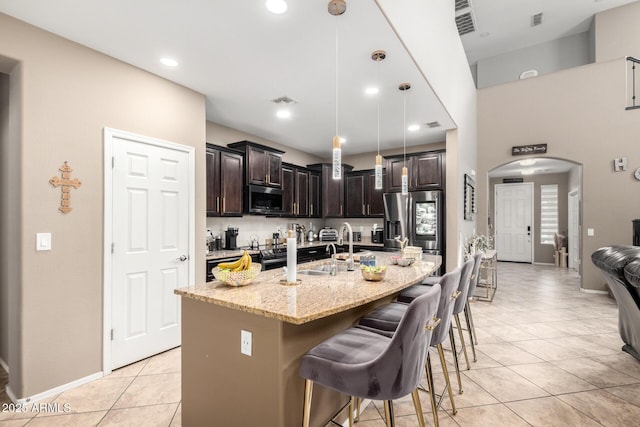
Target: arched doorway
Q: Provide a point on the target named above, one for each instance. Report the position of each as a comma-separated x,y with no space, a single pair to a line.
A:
555,207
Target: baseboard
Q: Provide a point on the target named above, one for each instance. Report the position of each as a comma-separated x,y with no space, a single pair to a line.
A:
593,291
4,365
54,391
544,263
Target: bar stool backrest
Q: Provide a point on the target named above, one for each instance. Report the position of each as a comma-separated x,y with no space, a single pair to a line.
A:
449,284
475,274
463,286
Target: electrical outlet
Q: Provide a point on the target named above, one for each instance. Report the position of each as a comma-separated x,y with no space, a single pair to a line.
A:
591,232
43,241
245,342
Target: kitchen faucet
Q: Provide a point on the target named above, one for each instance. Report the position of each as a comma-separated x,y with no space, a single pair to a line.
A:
350,266
334,263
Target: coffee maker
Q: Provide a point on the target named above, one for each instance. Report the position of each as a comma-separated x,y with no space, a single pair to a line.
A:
231,237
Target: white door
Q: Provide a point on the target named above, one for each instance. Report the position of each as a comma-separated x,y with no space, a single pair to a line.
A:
574,230
514,221
150,217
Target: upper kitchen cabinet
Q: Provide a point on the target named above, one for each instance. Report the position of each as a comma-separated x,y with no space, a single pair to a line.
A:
361,197
426,171
225,170
295,186
332,190
315,192
264,164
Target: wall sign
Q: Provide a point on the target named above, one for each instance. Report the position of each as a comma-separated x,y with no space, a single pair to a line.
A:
620,164
529,149
65,183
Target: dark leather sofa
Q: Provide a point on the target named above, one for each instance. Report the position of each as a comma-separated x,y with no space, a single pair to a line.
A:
620,266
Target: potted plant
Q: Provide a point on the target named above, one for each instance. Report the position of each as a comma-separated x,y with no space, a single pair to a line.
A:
476,243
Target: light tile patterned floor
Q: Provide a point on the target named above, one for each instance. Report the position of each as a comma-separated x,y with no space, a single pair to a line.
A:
548,355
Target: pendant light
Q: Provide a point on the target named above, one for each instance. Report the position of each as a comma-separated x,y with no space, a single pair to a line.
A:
337,8
404,87
378,56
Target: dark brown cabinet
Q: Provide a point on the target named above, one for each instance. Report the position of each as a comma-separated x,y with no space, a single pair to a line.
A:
315,191
264,164
332,190
225,170
295,186
426,171
361,197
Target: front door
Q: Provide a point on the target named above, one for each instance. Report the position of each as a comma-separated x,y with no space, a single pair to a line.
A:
150,217
514,221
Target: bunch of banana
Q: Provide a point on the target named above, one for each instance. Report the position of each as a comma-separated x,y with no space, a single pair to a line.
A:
241,264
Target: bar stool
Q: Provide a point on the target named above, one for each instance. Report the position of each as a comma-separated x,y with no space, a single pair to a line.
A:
385,320
368,365
458,307
473,282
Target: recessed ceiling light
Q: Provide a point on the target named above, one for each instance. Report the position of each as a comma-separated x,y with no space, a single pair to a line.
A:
277,7
169,62
527,162
343,140
413,128
371,90
283,114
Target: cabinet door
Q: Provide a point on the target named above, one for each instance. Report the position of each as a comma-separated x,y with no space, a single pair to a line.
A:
274,169
213,182
427,172
375,200
288,187
256,166
394,174
302,192
231,171
332,194
355,205
315,205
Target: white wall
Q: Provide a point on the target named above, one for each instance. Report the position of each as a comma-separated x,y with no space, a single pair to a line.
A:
555,55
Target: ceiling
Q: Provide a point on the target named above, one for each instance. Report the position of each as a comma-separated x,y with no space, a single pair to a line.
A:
241,57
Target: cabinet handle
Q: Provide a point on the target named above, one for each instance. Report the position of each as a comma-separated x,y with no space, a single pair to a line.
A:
294,209
363,211
268,179
311,209
218,204
223,205
368,209
340,210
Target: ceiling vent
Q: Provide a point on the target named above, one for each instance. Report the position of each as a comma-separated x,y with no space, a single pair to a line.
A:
283,100
465,24
435,124
536,19
462,4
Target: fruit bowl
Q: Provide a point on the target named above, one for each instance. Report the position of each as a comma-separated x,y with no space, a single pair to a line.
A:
373,273
405,262
237,278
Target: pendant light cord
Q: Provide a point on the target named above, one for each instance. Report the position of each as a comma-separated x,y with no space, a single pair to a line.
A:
404,128
337,81
378,77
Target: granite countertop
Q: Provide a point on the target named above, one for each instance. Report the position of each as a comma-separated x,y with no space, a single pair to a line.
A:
314,297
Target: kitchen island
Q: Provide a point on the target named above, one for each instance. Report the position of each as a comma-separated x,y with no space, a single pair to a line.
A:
221,386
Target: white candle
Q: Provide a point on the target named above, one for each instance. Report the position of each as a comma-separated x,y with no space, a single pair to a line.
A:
291,258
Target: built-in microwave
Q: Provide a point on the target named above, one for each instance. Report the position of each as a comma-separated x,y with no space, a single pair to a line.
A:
263,200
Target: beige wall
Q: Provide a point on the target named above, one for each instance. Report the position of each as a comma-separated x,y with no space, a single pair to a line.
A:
368,160
5,225
617,32
70,93
541,253
580,113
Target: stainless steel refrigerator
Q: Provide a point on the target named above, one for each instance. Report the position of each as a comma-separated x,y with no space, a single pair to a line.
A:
417,216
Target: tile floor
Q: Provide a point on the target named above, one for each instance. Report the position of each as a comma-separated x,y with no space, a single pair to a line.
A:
548,355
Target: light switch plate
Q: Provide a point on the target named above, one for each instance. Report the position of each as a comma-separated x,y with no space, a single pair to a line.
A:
43,241
245,342
590,232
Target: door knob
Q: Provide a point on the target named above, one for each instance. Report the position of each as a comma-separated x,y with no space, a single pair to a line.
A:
182,258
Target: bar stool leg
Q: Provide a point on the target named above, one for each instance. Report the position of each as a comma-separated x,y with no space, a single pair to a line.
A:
432,393
308,391
464,347
416,404
454,350
357,417
471,332
446,377
352,404
473,325
388,413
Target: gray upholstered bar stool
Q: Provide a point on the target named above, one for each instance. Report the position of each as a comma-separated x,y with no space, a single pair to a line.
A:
384,320
458,307
473,282
368,365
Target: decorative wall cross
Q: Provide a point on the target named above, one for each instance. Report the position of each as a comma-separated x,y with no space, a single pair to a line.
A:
66,183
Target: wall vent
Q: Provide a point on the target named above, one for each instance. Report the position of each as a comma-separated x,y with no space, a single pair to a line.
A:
536,19
462,4
465,24
435,124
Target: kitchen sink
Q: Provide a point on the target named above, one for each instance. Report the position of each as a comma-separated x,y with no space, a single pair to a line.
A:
322,270
314,272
